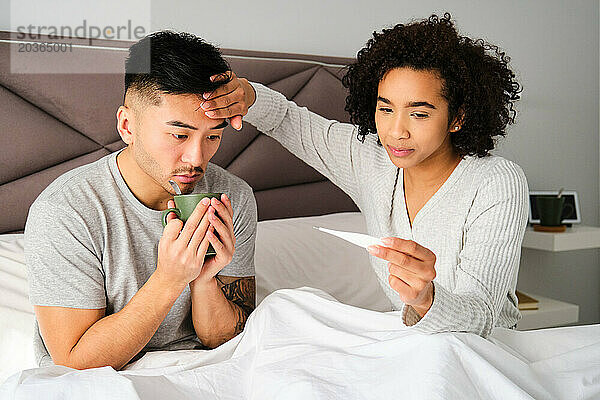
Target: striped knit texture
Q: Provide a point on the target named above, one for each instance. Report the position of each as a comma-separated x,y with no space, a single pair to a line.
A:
474,223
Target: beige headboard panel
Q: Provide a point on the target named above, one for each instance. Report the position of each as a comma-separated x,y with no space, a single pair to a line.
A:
50,123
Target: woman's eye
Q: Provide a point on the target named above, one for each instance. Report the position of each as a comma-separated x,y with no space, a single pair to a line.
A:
214,137
385,109
420,115
179,137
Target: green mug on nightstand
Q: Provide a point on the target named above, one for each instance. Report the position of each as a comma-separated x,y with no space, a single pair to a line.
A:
185,205
551,210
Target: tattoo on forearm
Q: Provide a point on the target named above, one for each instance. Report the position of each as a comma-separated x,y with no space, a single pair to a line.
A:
242,293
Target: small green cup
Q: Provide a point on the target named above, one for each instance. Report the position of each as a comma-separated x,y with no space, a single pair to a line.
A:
185,205
551,210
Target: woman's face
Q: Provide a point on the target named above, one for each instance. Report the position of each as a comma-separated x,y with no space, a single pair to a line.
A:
411,117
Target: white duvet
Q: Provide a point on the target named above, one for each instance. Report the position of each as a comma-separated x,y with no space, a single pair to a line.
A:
303,344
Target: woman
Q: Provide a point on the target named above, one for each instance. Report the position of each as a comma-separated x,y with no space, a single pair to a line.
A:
426,106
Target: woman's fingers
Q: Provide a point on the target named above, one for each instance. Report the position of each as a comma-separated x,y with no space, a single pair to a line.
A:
412,270
409,247
410,278
223,89
402,288
236,122
226,99
420,300
394,256
423,269
233,110
407,254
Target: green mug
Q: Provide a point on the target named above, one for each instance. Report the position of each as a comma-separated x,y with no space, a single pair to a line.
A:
551,210
185,205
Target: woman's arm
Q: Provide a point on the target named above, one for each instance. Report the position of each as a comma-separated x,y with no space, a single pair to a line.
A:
489,261
487,268
331,147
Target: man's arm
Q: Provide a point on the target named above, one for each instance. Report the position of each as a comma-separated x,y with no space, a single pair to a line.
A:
221,303
226,302
81,338
242,293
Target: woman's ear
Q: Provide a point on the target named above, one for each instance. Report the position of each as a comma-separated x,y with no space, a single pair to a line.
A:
125,119
457,124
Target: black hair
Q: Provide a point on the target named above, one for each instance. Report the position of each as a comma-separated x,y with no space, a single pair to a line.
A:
173,63
475,78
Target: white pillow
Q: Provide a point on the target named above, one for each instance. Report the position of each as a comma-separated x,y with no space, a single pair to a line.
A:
13,274
291,254
16,342
16,313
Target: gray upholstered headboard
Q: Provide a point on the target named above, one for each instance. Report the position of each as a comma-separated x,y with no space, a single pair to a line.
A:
51,123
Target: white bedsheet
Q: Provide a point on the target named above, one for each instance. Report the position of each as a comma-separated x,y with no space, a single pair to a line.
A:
302,344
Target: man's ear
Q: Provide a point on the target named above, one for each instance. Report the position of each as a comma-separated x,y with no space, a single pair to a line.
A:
125,121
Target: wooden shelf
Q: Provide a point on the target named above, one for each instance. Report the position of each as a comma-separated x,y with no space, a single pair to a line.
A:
550,313
577,237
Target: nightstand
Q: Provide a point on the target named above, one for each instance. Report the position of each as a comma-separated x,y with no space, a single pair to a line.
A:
574,238
551,312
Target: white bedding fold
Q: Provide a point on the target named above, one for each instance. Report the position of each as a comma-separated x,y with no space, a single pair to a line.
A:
302,344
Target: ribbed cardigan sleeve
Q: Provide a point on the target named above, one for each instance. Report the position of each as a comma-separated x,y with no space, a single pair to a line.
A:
489,260
325,145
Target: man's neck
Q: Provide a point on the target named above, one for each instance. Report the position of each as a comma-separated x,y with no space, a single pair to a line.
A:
141,185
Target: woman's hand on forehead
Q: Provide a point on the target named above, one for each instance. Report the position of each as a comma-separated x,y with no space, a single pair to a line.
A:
229,101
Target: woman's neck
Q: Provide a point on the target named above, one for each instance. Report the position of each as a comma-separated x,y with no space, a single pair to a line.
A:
431,173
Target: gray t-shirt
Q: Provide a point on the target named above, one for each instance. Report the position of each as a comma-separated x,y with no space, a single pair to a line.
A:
89,243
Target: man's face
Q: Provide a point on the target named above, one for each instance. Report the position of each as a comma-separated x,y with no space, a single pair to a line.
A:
411,116
175,140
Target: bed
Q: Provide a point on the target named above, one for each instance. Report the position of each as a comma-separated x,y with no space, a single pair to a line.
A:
322,328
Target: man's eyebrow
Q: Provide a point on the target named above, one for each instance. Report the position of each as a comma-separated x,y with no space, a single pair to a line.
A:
221,125
181,125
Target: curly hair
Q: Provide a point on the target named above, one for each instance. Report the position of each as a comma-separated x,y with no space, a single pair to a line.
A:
475,78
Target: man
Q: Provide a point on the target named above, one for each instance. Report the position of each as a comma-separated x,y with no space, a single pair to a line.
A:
107,282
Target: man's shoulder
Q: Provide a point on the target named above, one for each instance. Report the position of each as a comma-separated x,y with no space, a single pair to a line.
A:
75,184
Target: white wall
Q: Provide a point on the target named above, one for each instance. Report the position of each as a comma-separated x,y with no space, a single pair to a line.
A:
554,48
